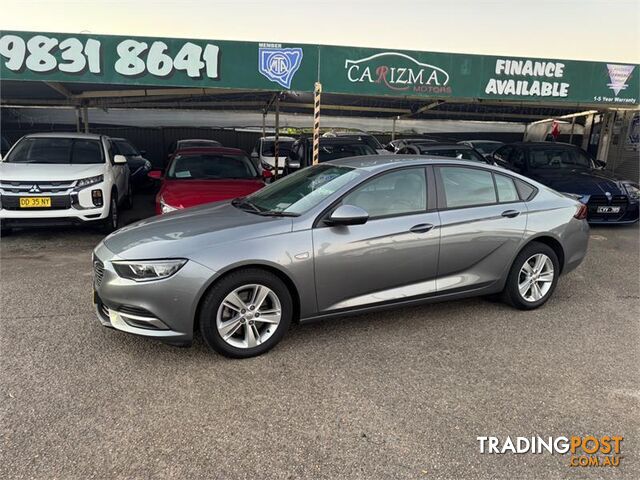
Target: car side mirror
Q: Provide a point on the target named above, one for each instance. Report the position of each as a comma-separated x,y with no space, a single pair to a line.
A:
347,215
119,159
155,174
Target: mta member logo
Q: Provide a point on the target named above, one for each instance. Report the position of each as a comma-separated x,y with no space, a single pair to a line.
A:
399,72
279,64
619,74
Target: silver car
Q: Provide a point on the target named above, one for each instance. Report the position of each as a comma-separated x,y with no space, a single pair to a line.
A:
348,236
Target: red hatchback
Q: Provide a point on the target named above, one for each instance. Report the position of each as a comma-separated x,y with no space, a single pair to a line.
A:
204,175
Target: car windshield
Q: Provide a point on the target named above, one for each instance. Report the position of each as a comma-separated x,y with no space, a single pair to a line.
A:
183,144
126,149
458,153
56,151
548,158
268,148
343,150
211,166
300,191
486,147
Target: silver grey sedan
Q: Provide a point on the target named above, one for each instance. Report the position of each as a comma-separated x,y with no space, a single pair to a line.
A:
343,237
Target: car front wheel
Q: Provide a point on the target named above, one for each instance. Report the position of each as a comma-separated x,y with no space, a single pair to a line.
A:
533,277
246,313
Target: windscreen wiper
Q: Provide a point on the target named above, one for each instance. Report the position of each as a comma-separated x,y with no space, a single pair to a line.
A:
274,213
242,203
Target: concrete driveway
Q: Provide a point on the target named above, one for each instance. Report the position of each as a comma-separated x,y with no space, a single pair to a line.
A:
400,394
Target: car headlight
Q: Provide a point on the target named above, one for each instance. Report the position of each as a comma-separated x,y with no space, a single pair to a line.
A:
85,182
632,191
144,271
165,207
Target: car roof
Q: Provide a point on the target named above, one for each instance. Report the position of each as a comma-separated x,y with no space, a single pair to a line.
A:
85,136
481,141
386,162
444,146
197,140
543,144
227,150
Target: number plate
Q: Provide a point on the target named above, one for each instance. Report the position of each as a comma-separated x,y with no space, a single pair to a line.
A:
35,202
608,210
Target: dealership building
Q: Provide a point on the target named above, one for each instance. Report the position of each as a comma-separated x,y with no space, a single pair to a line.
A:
156,90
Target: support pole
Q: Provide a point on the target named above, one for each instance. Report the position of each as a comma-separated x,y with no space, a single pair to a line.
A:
277,136
85,114
264,127
317,92
393,129
573,124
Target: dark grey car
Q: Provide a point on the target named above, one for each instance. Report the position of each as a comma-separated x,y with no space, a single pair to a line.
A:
346,236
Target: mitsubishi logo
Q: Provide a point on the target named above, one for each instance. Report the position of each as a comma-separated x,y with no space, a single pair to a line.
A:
35,189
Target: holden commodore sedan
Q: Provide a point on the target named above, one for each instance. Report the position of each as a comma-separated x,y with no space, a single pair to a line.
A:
347,236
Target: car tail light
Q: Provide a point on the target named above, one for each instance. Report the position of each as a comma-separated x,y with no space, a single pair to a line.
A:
581,213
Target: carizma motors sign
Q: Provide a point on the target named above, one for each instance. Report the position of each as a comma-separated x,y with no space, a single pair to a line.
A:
398,72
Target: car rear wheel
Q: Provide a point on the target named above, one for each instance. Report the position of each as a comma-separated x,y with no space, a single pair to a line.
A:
246,313
533,277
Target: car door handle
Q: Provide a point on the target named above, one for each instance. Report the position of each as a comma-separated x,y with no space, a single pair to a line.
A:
510,213
421,228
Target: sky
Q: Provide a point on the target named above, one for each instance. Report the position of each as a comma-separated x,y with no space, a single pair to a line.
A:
602,30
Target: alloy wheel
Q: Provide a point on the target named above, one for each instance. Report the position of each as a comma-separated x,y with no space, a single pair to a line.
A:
535,277
248,316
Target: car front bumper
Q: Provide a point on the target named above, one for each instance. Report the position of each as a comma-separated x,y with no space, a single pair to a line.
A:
163,309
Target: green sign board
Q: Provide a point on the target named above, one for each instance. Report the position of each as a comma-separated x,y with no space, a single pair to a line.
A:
172,62
364,71
169,62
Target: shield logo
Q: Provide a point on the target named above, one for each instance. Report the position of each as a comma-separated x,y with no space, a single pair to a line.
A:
279,64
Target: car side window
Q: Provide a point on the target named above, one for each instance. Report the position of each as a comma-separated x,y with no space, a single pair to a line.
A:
516,159
506,189
467,187
503,153
395,193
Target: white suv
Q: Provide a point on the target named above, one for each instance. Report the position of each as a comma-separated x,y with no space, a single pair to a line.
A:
60,178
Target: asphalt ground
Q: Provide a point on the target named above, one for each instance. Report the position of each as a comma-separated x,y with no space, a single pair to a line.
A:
398,394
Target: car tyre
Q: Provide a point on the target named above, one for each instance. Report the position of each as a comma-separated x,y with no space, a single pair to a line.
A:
111,222
527,289
215,304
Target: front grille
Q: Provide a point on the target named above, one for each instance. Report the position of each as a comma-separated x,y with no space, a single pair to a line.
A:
98,271
36,187
596,201
59,202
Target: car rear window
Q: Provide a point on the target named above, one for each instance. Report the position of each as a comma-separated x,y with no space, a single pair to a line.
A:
211,167
344,150
57,151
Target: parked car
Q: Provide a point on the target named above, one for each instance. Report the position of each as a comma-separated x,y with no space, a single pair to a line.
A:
59,178
203,175
331,148
342,237
191,143
485,147
5,145
569,169
367,138
263,153
138,165
394,145
453,150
